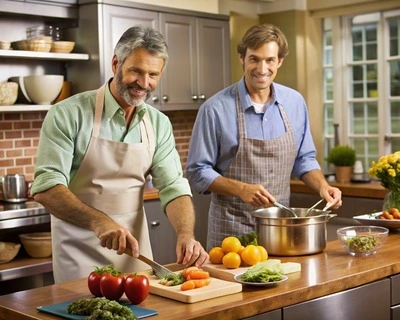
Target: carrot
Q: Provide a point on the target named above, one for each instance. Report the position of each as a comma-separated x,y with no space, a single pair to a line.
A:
201,282
188,285
186,271
198,274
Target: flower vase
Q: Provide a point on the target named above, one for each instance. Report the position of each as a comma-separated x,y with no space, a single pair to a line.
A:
391,200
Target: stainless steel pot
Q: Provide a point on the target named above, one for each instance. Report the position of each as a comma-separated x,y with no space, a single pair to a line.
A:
284,235
13,187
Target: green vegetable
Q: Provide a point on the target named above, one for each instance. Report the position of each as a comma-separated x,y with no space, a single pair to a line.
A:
263,272
173,279
361,243
249,238
100,309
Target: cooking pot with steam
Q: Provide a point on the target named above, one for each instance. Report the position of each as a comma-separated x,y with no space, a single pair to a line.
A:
282,234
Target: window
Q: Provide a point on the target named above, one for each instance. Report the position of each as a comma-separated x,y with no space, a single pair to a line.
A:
361,73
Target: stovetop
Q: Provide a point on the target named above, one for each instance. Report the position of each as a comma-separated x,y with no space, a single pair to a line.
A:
20,210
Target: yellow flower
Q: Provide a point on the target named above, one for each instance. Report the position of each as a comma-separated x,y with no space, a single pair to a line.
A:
387,169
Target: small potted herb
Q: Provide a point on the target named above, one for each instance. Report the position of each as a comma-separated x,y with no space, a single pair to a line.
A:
343,157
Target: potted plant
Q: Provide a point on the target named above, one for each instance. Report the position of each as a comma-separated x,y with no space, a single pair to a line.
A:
343,157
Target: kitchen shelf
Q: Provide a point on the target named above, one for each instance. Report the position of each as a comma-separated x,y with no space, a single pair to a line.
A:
25,107
24,267
42,55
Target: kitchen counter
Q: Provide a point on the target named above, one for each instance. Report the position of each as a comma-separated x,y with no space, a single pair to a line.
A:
322,274
373,189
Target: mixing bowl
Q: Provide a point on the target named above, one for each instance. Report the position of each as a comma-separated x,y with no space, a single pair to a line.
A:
362,240
37,244
43,89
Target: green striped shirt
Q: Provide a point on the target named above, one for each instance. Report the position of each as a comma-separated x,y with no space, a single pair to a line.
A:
66,133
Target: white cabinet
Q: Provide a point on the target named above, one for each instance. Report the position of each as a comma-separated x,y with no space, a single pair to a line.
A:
199,61
198,45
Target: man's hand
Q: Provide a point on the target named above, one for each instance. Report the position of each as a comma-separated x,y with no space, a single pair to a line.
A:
256,195
117,238
190,252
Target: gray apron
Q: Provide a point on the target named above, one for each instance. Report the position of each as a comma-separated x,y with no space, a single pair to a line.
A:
265,162
110,179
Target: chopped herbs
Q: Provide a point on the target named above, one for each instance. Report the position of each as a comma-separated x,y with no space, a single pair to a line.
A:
362,243
100,309
173,279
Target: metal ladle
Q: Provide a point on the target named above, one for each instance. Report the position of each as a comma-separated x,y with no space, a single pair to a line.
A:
313,206
279,205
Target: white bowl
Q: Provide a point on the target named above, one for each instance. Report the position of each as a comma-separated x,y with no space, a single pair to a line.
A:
43,89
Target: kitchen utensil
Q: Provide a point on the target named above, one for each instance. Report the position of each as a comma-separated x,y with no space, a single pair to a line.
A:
279,205
13,187
159,270
313,206
283,235
328,205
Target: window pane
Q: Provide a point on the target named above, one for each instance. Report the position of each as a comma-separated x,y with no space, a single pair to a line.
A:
358,91
357,53
394,78
394,27
395,144
395,117
372,53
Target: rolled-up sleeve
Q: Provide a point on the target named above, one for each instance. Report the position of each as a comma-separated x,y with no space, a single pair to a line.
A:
166,170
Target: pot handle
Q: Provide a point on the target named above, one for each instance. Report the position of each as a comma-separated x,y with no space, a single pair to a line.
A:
330,215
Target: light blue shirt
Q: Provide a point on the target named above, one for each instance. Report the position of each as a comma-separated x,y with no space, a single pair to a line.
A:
214,141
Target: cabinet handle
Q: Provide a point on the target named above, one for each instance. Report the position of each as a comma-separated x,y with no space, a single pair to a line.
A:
155,223
202,97
154,99
165,98
195,97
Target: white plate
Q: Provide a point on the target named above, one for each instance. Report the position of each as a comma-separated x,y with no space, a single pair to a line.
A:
372,219
239,278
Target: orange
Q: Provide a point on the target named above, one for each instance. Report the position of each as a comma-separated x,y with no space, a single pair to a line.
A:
231,260
263,252
231,244
251,255
216,254
240,250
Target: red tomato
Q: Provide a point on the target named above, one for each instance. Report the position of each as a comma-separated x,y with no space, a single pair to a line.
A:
112,286
137,288
94,282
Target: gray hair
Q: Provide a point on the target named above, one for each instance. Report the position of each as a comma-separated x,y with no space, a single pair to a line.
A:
141,37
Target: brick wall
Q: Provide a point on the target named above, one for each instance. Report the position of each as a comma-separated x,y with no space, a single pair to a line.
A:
19,137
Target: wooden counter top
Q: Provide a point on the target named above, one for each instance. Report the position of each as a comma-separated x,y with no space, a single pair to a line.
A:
322,274
371,189
150,194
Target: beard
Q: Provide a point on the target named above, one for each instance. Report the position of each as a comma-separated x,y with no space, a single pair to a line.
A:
124,89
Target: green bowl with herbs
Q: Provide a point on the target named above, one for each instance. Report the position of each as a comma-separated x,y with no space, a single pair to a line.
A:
362,240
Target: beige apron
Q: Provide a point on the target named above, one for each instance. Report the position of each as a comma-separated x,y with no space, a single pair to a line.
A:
111,179
265,162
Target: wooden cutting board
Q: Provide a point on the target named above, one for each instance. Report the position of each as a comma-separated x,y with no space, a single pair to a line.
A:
221,272
216,288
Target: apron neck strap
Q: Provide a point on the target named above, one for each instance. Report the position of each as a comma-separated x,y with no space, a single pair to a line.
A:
99,110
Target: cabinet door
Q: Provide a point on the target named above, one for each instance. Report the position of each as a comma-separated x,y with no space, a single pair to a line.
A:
214,57
162,235
367,302
179,80
116,21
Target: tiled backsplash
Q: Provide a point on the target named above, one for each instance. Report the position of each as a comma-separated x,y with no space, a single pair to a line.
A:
19,137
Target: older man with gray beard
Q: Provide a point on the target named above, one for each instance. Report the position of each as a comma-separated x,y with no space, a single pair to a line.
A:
96,150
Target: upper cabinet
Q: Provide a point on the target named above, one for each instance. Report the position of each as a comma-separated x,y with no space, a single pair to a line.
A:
198,46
